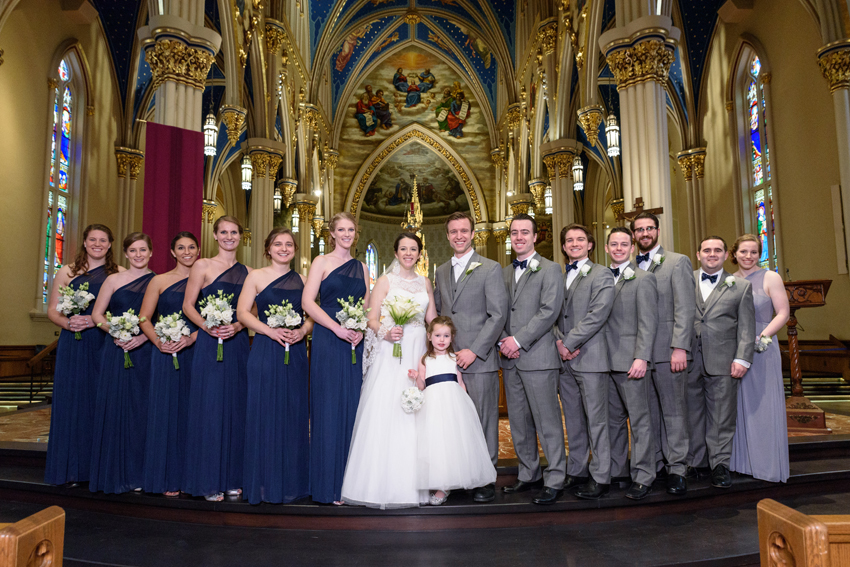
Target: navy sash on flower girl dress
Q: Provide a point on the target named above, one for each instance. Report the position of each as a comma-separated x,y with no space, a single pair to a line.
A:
440,378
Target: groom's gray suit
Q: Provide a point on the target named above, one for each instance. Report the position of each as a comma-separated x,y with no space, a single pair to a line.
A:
531,380
724,331
477,303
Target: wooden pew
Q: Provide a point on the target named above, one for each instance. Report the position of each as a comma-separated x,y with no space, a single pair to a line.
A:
790,538
37,541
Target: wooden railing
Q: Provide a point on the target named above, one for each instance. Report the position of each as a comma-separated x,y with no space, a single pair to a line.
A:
788,537
43,354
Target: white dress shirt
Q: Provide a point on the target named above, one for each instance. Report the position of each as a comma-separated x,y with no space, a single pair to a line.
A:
647,263
458,264
705,288
573,274
622,267
518,272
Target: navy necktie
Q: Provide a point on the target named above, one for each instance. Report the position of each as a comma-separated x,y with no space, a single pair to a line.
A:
616,272
520,265
713,278
641,258
573,266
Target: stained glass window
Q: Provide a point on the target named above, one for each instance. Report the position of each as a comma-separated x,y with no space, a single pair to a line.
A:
372,264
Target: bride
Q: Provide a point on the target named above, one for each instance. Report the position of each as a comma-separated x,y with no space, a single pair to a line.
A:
381,469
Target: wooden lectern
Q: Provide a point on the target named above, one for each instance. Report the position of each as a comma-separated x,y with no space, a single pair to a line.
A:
803,416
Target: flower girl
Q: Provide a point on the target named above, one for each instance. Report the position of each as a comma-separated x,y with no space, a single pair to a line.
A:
452,450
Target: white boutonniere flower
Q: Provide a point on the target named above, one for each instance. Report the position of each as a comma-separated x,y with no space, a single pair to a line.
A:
729,282
584,270
628,274
534,265
471,267
658,259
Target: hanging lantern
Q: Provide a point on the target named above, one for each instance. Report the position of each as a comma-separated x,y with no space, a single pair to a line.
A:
612,132
578,174
278,199
508,220
247,172
295,220
312,237
321,246
210,135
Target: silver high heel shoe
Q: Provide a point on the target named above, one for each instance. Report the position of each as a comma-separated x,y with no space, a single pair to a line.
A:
435,500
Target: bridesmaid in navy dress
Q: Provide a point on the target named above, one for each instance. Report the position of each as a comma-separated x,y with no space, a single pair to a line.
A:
77,362
169,388
277,432
121,406
215,439
334,381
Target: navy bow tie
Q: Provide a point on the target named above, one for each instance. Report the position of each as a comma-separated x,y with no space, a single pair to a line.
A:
616,272
573,266
713,278
520,265
641,258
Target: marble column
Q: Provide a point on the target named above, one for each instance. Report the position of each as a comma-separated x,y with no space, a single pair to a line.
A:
558,156
500,233
639,55
687,165
208,246
266,156
306,209
129,166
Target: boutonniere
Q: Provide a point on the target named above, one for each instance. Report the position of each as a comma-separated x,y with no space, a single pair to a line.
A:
584,270
628,274
729,282
534,265
471,267
658,259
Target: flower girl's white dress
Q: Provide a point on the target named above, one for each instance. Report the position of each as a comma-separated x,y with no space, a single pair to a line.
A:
453,453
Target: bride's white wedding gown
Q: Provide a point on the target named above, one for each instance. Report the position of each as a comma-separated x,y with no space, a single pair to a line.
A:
382,460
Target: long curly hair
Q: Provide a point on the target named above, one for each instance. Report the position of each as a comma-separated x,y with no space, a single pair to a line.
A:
81,261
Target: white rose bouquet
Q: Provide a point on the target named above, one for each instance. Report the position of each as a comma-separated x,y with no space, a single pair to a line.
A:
124,328
170,329
401,309
411,399
217,311
283,315
352,316
74,302
762,343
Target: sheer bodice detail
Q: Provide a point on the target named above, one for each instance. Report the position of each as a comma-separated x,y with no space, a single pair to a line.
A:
415,288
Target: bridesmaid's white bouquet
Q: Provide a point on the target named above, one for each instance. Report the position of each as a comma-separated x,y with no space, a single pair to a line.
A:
762,343
412,399
283,315
217,311
124,328
170,329
352,316
401,309
74,302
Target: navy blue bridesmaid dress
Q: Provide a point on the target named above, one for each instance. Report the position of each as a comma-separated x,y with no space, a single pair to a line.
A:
74,393
121,412
277,433
168,404
334,386
215,439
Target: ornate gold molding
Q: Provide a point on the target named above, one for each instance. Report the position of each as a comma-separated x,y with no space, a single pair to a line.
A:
90,110
765,78
412,18
274,38
500,234
562,161
288,188
498,157
306,210
172,60
514,116
260,161
729,106
646,61
537,187
52,83
318,222
687,167
129,160
311,116
520,207
274,164
247,236
482,235
331,157
234,118
590,118
547,37
208,214
835,68
699,165
434,143
618,207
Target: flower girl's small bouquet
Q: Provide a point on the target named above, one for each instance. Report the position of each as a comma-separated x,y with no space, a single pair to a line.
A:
124,328
170,329
74,301
762,343
283,315
217,311
352,316
401,309
411,399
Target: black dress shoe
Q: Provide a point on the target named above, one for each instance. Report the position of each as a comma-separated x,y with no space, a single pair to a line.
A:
522,486
720,477
698,472
547,496
485,493
575,481
638,491
592,490
676,484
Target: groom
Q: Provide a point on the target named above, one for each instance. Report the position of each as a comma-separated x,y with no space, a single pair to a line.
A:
469,289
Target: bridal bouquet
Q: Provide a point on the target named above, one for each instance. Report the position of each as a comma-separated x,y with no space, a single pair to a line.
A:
352,316
124,328
170,329
283,315
411,399
74,302
217,311
762,343
401,309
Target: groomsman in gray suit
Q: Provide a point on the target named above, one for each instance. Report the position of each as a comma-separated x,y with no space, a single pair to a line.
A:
530,363
671,349
629,333
469,289
589,296
723,343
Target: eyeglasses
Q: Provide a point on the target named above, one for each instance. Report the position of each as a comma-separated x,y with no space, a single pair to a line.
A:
646,229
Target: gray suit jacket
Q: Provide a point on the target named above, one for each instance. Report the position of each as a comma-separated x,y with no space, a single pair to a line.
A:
586,307
726,321
633,323
477,303
535,302
676,301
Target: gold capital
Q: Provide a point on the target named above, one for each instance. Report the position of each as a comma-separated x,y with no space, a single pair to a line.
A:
234,118
246,236
537,187
481,236
306,210
172,60
590,117
699,165
260,161
501,234
687,166
274,38
129,160
835,68
646,61
208,211
547,36
412,18
618,207
288,189
274,164
514,116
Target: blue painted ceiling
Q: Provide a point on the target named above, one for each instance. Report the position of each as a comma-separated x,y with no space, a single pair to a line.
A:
119,22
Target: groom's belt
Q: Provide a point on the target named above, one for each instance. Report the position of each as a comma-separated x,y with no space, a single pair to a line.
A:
436,379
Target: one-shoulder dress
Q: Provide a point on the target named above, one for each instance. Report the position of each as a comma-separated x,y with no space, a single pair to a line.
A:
277,431
215,439
121,413
168,403
334,386
74,394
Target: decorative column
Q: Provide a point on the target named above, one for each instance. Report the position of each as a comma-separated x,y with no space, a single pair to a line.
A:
639,55
500,232
537,186
498,157
306,209
129,166
207,241
234,118
482,234
331,161
266,156
698,160
687,165
834,62
558,157
288,188
520,204
590,118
